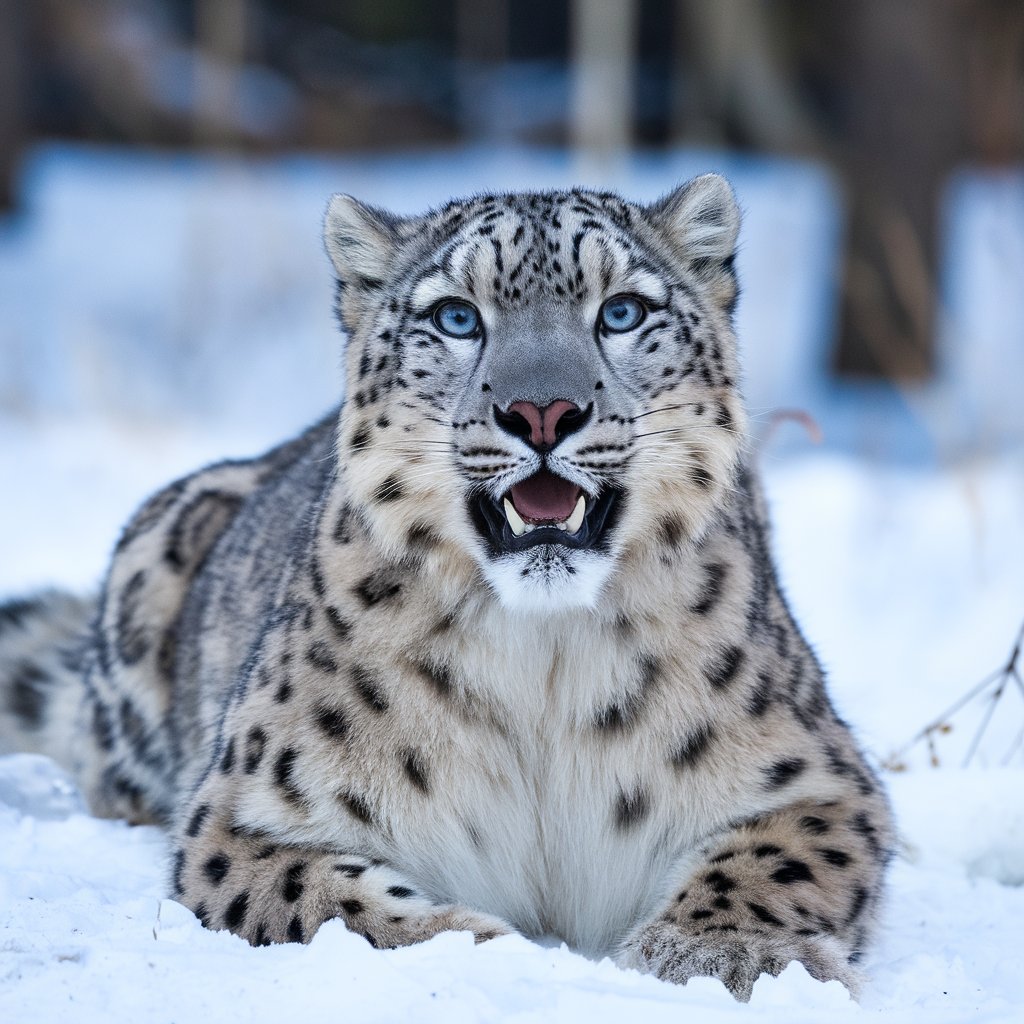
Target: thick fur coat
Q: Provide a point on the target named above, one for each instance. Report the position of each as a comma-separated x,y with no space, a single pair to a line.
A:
498,646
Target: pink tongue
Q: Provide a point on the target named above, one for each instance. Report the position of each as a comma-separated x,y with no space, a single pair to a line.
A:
545,498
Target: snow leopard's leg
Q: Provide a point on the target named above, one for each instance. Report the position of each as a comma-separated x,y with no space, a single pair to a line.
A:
802,884
267,891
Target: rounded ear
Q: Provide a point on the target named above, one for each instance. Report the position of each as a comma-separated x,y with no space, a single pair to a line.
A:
360,239
702,220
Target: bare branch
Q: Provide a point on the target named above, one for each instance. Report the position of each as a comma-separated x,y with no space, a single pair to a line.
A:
992,688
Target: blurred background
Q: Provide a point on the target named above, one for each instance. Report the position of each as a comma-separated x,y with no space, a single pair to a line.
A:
164,297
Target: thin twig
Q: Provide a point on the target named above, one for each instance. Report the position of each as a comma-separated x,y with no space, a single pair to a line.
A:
801,416
1014,747
994,686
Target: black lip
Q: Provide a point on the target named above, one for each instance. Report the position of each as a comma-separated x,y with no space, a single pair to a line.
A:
602,515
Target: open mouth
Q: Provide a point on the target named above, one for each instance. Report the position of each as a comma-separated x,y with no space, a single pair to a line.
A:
546,509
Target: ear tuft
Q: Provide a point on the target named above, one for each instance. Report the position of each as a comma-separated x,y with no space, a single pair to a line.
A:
360,239
702,219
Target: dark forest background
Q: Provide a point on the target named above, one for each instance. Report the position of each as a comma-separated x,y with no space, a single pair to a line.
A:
893,95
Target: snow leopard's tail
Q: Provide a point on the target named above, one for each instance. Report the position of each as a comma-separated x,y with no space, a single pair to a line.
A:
42,642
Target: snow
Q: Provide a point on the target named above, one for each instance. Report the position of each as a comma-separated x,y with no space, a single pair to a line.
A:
85,935
908,576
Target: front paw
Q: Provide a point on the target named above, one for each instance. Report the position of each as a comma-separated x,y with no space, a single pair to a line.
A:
737,958
401,930
389,911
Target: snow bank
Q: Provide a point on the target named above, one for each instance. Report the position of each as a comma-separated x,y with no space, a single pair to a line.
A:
85,936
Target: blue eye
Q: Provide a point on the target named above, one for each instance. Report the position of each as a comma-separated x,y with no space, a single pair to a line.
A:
622,313
458,319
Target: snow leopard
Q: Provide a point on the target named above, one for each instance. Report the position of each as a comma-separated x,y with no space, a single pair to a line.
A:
498,645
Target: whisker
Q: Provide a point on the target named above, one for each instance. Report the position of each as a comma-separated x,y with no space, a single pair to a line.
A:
655,433
401,448
664,408
689,429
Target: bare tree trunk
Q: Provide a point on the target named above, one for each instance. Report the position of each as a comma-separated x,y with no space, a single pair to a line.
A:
905,79
12,45
220,34
603,45
916,87
481,37
735,70
482,30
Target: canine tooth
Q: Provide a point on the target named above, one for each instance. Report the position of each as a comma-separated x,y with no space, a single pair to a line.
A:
514,519
575,521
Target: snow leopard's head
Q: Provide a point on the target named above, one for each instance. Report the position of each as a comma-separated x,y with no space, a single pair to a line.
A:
543,382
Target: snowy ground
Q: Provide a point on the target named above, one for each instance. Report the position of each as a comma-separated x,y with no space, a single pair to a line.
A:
87,937
908,577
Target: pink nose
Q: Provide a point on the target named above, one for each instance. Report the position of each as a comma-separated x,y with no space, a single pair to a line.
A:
543,422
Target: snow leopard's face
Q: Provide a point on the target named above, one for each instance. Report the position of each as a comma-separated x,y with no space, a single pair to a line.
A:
544,381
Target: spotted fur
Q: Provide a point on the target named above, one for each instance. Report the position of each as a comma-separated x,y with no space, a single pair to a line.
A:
347,699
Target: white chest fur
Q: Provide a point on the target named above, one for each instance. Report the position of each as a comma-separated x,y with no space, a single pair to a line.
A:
535,804
536,815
